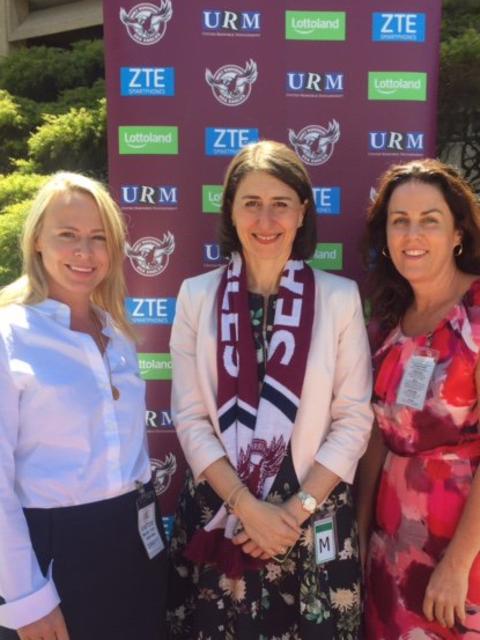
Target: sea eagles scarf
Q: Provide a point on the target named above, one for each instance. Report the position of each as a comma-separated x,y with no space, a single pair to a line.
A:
255,431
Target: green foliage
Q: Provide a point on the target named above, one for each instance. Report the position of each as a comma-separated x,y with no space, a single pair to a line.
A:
11,223
79,97
73,141
16,188
13,130
458,16
42,73
459,100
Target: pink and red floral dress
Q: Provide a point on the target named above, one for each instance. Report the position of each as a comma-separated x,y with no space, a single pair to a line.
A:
433,455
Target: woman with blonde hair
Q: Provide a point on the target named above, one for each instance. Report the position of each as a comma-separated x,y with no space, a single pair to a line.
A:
81,546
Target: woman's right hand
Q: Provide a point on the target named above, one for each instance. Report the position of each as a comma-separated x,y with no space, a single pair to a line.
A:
266,525
50,627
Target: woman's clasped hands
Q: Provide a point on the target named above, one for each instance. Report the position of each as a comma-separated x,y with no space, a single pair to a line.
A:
268,530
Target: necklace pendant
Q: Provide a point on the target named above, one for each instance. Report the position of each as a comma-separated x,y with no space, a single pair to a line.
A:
115,392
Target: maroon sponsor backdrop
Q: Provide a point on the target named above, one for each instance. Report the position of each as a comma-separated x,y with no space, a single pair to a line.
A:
213,75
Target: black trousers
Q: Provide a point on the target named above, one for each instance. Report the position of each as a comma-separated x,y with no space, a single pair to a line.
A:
109,588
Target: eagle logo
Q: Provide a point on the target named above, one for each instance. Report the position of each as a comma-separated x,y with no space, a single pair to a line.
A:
162,472
231,85
315,144
146,23
149,256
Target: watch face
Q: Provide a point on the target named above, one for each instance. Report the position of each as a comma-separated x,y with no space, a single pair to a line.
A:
310,504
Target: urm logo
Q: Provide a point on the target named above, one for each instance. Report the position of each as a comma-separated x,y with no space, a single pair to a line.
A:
396,142
228,142
147,81
398,27
313,83
236,22
154,419
147,196
212,254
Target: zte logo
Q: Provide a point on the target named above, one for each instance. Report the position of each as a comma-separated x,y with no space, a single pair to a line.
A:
327,200
240,22
147,81
150,310
394,142
314,83
148,196
398,27
228,142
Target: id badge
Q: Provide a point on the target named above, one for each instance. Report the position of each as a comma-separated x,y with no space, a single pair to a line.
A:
325,539
416,378
147,523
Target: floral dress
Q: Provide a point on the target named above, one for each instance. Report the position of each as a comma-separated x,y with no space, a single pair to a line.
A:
433,455
295,599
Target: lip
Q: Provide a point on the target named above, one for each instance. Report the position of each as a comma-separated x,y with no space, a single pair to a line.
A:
266,238
414,254
80,269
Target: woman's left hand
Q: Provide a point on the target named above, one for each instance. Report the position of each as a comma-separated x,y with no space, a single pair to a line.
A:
446,594
293,507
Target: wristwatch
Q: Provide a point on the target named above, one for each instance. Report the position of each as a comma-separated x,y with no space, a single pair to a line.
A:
309,503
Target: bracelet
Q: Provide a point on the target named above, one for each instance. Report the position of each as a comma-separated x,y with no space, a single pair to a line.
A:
236,488
238,496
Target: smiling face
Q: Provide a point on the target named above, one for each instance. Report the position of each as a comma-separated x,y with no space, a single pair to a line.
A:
73,247
266,214
421,233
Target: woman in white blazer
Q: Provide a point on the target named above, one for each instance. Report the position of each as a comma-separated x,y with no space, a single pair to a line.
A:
271,390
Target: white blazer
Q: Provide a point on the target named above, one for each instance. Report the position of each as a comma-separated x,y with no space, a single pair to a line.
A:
334,418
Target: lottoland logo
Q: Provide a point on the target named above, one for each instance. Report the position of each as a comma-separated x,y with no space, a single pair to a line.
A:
397,85
155,366
212,198
148,140
315,25
328,256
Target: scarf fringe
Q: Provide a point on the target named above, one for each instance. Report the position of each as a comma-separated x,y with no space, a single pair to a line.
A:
212,547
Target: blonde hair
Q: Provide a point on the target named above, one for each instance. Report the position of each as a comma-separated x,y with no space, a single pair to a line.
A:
31,287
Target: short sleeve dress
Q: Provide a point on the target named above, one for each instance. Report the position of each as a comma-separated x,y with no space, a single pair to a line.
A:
433,454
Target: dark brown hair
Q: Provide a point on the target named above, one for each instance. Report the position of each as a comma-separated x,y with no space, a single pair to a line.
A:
282,163
390,293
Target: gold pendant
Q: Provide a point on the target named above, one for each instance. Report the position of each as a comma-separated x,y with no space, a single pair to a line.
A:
115,392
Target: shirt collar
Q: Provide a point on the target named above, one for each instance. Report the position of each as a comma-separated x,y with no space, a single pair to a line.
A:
60,312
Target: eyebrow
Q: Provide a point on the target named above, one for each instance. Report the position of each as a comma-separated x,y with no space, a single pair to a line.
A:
70,228
250,197
422,213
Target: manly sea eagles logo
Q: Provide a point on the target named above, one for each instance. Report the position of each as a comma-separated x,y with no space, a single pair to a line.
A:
232,85
315,144
149,256
162,472
146,22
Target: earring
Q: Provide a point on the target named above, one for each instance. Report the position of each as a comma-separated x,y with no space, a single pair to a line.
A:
458,250
385,253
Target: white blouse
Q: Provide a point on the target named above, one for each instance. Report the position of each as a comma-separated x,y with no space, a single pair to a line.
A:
64,440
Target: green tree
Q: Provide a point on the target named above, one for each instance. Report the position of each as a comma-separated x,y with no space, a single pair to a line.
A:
74,141
11,223
459,88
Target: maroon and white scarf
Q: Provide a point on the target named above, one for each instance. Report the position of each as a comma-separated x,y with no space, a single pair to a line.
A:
255,430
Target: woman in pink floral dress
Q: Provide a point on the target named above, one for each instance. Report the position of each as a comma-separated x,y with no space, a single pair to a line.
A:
423,564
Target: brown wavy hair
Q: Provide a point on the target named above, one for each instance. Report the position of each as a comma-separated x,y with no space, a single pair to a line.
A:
390,293
282,163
